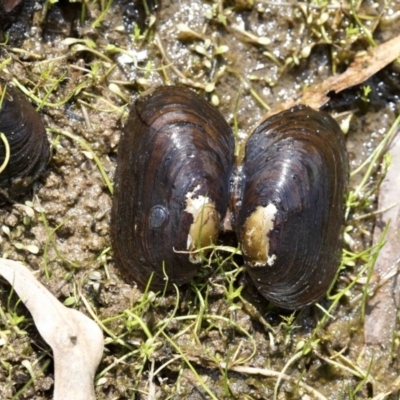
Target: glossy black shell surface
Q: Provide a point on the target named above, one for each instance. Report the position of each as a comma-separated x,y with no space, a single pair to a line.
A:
8,12
26,136
176,149
291,216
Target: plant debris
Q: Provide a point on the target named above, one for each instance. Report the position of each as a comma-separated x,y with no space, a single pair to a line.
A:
76,340
365,64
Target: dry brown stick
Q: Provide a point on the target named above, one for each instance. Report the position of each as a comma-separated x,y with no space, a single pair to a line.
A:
365,65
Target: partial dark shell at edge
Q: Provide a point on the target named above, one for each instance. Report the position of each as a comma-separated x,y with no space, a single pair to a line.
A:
26,135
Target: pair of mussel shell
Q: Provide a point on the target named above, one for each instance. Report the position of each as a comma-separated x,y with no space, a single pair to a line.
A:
24,147
173,186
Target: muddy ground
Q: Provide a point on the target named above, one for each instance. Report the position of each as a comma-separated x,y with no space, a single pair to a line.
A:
82,64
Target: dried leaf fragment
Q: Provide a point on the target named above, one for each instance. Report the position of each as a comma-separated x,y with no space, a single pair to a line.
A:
76,340
381,319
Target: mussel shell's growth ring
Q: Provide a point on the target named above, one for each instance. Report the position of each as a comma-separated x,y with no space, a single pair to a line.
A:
171,185
29,148
291,216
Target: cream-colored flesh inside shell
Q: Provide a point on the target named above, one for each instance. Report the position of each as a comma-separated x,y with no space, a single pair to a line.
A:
206,220
255,240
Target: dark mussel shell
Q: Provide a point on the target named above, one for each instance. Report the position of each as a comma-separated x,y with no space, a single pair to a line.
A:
8,11
291,217
171,185
26,136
